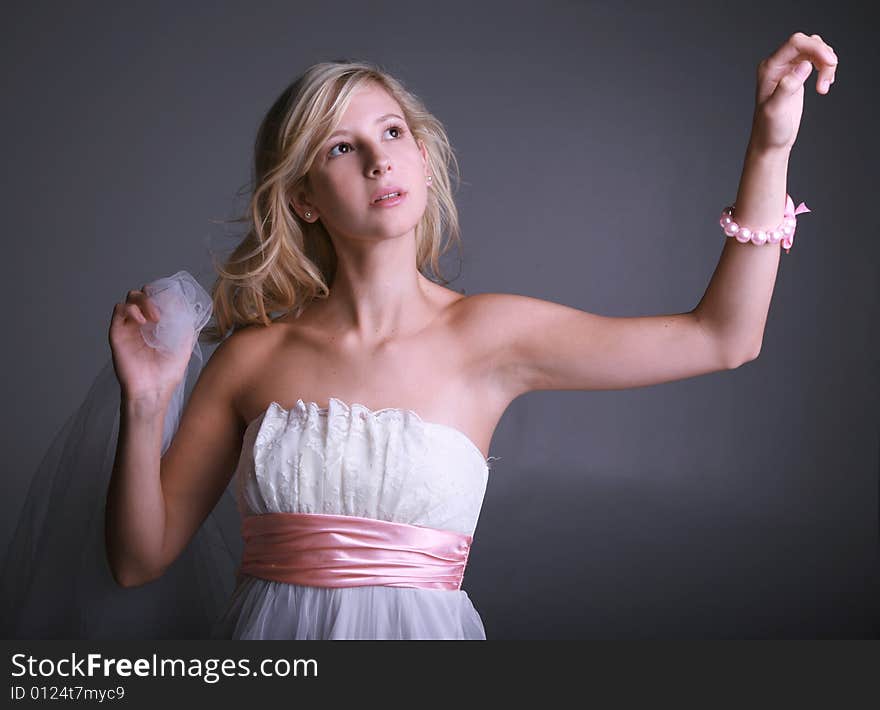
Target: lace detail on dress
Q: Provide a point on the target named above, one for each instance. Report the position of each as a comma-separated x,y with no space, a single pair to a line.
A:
386,464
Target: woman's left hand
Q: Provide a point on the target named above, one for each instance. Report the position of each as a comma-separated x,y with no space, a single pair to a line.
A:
779,99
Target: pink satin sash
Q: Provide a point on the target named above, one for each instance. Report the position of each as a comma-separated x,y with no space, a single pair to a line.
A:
320,550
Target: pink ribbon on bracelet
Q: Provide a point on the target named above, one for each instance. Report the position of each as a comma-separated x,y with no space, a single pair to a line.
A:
791,211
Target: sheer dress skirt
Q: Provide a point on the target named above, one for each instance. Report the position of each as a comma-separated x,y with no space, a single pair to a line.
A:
263,609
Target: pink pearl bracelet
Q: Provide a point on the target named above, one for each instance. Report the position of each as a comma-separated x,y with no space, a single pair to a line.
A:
783,233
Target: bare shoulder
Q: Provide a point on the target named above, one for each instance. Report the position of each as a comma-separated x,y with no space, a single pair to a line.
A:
482,319
244,342
490,323
234,361
481,324
482,305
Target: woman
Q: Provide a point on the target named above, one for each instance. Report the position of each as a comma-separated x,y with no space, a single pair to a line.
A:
359,419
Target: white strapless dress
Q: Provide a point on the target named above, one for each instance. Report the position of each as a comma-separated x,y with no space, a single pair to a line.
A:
385,464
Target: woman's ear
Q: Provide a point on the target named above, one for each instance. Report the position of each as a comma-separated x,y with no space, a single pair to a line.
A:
299,203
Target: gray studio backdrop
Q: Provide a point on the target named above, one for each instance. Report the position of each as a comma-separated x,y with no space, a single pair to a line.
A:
598,143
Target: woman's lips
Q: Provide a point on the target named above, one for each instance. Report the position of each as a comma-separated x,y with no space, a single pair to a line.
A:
391,201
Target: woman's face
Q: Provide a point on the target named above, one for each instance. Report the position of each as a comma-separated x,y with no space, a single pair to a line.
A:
370,153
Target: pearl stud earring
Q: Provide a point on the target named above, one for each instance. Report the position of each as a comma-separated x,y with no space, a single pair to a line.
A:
308,215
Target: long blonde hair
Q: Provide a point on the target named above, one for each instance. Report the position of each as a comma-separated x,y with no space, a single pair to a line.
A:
283,262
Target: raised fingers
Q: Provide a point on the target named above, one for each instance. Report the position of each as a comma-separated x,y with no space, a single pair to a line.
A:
124,312
143,304
133,312
812,48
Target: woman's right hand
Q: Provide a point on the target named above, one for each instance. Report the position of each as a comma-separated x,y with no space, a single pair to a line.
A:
143,372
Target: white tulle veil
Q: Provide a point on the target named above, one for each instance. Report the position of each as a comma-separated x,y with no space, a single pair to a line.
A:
56,582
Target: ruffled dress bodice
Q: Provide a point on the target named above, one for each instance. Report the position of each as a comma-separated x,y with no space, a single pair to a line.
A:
387,464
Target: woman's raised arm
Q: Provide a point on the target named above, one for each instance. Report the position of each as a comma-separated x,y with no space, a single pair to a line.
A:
155,503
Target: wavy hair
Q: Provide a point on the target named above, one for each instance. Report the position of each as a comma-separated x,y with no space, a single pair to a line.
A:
283,262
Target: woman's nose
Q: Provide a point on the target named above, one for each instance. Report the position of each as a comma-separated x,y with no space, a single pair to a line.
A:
380,165
378,162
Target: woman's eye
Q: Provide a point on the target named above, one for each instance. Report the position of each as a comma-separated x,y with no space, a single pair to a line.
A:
398,129
330,154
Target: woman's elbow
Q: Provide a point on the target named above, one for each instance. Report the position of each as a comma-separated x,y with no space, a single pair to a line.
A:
128,578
